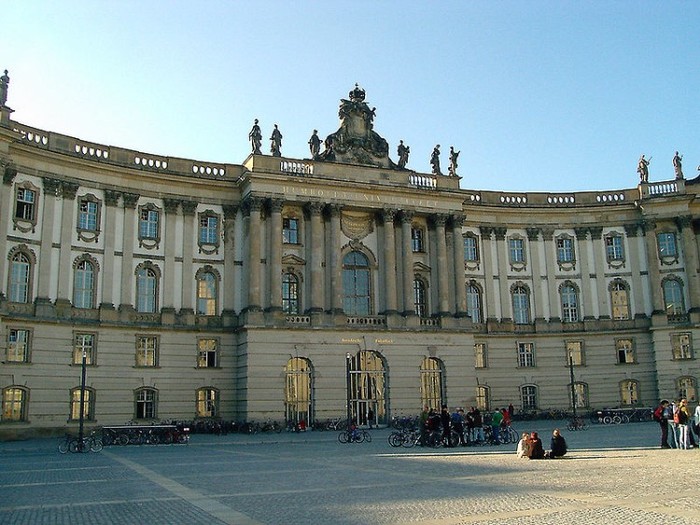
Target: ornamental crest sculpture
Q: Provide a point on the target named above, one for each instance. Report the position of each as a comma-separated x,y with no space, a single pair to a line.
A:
356,142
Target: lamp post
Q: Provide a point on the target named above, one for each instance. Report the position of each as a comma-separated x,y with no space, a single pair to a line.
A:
348,364
573,388
82,401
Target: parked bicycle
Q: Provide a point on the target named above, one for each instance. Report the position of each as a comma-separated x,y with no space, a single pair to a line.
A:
90,443
577,423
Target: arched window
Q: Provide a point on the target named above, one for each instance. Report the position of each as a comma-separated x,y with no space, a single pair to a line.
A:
619,299
420,304
629,392
84,285
687,388
145,401
207,402
569,303
673,297
521,305
298,390
15,400
146,290
88,404
207,292
528,397
356,284
367,387
474,310
290,293
20,278
483,396
431,387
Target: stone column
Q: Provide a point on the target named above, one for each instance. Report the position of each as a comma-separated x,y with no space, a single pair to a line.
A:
51,188
502,265
602,297
458,251
230,283
65,264
127,288
690,255
489,281
314,210
188,238
550,258
439,222
6,196
253,207
336,262
389,260
533,237
406,219
108,266
636,269
275,255
657,299
168,278
586,282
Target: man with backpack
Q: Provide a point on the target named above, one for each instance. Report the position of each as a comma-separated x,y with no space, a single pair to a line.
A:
660,416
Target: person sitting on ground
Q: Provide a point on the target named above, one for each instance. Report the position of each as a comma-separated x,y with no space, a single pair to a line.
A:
558,445
523,450
536,450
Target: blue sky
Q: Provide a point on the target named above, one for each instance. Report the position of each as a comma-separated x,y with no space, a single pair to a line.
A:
537,95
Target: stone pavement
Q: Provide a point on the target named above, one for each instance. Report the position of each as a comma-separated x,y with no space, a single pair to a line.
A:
612,475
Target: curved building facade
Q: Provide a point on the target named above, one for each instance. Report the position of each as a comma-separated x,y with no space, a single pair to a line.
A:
280,288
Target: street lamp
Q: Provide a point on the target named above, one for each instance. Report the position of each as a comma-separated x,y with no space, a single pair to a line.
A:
573,388
348,364
82,401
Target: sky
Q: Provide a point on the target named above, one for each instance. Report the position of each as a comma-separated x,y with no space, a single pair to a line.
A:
538,96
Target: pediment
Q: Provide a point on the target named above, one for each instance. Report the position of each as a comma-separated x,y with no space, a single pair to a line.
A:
292,260
420,267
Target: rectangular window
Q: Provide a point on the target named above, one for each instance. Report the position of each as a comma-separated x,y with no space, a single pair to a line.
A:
574,353
87,218
516,250
482,397
84,343
148,224
208,229
625,351
207,353
480,357
290,230
207,402
18,345
25,204
682,345
667,244
565,250
526,354
614,249
471,249
417,244
146,351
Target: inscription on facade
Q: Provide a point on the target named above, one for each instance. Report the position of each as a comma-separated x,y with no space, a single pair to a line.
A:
359,196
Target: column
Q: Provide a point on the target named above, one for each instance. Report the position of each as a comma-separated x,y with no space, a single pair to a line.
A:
533,237
65,264
275,255
657,299
169,224
6,194
550,261
229,284
636,269
502,265
690,256
336,262
189,209
600,260
253,207
314,210
460,285
107,273
389,260
406,219
487,260
442,277
586,295
51,187
127,298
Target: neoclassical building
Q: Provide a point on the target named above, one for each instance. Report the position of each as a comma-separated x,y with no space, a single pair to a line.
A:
278,288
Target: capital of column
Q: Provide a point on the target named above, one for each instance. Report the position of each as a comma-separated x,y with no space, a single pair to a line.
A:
407,216
532,234
170,205
276,205
335,209
130,200
9,174
485,232
547,234
388,215
596,232
314,208
252,204
500,233
439,219
51,186
582,233
683,222
647,226
458,220
112,197
230,211
188,207
631,230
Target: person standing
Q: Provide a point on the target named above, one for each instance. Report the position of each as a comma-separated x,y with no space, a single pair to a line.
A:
682,417
496,420
458,424
446,420
660,417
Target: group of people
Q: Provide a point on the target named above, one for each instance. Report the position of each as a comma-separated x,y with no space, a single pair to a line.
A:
530,446
679,427
468,425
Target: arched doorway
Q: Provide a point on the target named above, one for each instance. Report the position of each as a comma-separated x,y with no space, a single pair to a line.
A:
368,388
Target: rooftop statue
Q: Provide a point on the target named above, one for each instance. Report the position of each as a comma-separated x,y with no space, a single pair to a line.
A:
356,142
4,85
435,160
276,142
255,137
643,169
315,144
404,152
678,165
452,170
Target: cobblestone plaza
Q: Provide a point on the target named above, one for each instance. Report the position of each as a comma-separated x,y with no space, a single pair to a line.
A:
612,474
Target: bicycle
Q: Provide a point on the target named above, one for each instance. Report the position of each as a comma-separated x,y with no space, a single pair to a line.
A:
577,423
354,435
72,444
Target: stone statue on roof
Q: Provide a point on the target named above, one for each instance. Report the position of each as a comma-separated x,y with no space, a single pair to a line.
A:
314,144
435,160
255,137
403,152
276,142
4,86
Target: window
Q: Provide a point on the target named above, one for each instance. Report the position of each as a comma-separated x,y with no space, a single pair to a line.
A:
147,350
297,391
516,250
208,229
474,311
569,303
526,354
431,382
667,245
420,306
18,345
290,294
84,343
356,284
565,250
290,230
146,289
482,398
149,219
20,278
88,218
625,351
145,400
417,240
687,388
480,356
619,299
207,292
580,395
88,404
25,205
207,353
574,353
528,397
673,297
521,305
207,402
14,403
471,248
84,284
629,392
614,248
682,345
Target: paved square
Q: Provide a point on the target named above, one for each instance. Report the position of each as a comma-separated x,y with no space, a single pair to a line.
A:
612,475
